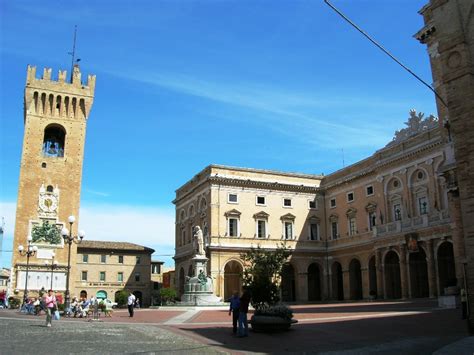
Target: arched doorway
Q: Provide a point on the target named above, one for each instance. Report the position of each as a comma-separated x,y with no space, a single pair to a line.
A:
101,294
446,268
190,271
288,287
232,278
83,294
181,281
314,282
355,280
116,296
372,277
337,282
418,274
138,298
393,284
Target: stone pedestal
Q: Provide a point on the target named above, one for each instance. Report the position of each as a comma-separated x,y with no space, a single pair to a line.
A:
198,290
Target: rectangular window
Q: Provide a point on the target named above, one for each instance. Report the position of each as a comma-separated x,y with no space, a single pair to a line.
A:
369,190
120,259
139,259
85,258
137,277
84,276
312,204
261,229
288,230
287,202
352,226
332,203
423,205
155,269
314,231
102,276
233,227
232,198
261,200
397,212
103,258
350,197
334,230
372,220
120,277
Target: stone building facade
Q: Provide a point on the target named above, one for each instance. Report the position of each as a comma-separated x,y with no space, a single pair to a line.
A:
104,268
449,35
381,227
55,115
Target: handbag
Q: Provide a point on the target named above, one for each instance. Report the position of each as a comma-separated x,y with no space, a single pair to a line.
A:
56,315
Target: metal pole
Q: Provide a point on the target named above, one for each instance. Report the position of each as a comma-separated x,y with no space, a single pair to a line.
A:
52,269
68,267
25,294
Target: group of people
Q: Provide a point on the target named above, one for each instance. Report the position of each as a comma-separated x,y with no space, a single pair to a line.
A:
239,307
80,308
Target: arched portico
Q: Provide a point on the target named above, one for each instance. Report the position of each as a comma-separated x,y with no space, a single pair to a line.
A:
314,282
418,274
232,278
288,284
393,285
337,282
355,280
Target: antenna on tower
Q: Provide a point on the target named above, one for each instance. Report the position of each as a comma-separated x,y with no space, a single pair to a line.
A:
73,53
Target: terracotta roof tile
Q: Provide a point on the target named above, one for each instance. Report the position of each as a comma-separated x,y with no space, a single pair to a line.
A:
100,244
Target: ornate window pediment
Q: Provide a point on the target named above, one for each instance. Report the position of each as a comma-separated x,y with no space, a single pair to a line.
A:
261,215
351,212
288,217
371,207
313,219
333,217
232,213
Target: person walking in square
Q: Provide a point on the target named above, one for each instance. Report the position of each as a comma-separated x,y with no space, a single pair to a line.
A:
131,303
234,310
51,306
243,310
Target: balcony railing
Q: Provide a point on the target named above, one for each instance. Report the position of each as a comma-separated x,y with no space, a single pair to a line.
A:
407,225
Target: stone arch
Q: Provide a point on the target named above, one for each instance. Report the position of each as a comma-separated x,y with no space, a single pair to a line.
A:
83,294
393,284
418,274
191,210
182,215
202,204
314,282
288,283
54,140
446,266
355,279
337,281
138,297
413,179
233,270
390,185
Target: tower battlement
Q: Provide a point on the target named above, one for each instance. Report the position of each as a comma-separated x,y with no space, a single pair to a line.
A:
75,84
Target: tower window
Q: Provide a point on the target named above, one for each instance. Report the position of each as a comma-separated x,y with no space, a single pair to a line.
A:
53,142
49,188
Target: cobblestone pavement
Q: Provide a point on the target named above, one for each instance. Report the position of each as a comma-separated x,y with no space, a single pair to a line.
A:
416,327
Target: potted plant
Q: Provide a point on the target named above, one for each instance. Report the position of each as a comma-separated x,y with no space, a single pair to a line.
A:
262,273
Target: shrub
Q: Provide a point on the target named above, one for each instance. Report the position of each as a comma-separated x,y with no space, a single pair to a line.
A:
168,294
121,298
14,302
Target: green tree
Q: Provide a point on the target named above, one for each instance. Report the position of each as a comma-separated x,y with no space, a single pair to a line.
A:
262,273
168,294
121,297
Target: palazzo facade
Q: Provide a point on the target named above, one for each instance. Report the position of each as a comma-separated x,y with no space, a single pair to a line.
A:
383,227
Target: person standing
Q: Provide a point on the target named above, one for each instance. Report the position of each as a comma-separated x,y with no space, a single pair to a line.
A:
131,303
51,306
243,310
234,309
464,303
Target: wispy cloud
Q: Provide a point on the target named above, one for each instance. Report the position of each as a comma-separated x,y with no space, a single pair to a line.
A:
97,193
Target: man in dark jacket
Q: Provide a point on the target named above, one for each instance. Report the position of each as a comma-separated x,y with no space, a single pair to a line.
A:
243,310
234,308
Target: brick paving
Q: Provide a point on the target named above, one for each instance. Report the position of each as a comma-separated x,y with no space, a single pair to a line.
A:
417,327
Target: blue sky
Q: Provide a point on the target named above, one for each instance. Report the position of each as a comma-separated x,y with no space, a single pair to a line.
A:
283,85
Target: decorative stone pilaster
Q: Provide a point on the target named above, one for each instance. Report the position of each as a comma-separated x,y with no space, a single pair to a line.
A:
430,262
403,271
380,279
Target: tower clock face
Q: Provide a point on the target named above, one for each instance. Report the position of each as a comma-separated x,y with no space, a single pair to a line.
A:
48,203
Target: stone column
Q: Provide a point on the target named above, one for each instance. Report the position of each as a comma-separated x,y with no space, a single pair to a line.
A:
302,287
365,282
327,282
380,274
457,233
403,270
346,284
430,262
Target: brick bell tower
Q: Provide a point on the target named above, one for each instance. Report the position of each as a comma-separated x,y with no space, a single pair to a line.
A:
55,115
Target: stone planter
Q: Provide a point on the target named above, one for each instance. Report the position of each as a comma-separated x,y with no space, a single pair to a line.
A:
270,324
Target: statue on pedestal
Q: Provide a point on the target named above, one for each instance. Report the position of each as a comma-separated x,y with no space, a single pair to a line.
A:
198,241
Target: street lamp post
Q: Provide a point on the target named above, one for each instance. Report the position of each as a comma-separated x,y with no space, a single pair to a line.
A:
69,239
54,265
30,251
